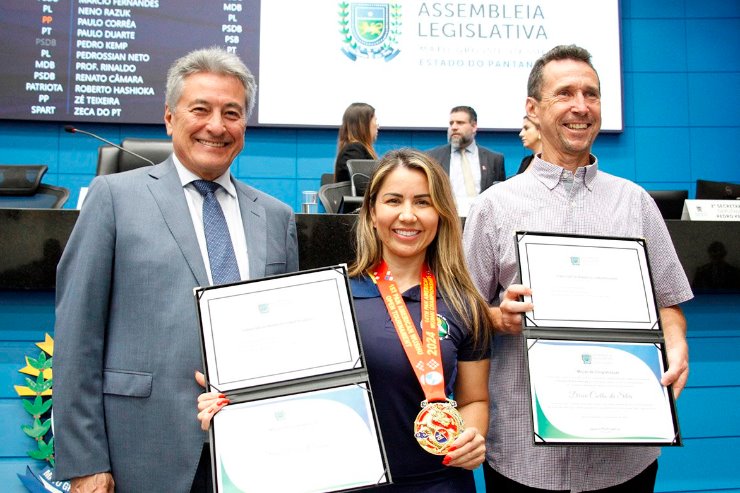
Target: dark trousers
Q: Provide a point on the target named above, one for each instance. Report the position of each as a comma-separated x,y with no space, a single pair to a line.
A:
642,483
203,481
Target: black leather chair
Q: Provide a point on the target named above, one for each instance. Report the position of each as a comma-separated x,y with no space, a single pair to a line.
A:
717,190
331,195
360,171
21,188
669,202
113,160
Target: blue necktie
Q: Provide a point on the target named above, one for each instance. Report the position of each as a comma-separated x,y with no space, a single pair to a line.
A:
224,268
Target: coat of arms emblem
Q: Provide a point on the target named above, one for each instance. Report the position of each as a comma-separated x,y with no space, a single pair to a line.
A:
370,30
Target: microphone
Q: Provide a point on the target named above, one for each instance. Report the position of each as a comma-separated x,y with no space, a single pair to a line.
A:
73,130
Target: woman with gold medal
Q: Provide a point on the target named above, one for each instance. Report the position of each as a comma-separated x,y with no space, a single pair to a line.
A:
410,263
435,347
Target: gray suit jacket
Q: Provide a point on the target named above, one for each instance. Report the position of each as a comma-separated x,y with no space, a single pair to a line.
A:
126,335
491,163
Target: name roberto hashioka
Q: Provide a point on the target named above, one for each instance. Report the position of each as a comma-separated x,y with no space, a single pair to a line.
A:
481,20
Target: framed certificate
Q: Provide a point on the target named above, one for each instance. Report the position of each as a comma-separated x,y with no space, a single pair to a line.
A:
595,347
286,352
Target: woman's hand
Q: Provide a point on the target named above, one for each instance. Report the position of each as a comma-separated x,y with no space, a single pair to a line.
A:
209,403
468,450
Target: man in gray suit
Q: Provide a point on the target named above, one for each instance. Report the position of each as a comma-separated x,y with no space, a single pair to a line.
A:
471,168
127,336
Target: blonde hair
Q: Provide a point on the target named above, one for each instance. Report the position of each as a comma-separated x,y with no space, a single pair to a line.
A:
444,255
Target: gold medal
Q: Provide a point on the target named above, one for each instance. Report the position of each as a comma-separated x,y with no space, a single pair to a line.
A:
439,423
437,426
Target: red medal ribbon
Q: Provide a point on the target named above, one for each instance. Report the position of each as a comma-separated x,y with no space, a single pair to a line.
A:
423,353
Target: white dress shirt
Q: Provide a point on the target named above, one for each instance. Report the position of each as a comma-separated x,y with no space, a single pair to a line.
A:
457,180
226,196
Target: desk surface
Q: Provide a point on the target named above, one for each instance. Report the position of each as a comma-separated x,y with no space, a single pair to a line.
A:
32,241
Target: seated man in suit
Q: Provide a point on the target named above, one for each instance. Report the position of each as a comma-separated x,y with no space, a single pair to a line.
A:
471,168
127,334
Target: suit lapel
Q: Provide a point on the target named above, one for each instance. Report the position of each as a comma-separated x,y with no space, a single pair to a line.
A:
484,169
446,158
255,229
167,191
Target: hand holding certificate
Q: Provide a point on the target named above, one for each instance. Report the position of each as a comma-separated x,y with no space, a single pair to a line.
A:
596,351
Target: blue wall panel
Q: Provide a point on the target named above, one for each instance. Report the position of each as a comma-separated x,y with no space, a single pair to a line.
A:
700,465
715,316
653,9
268,155
712,8
658,45
681,71
26,315
13,442
9,466
661,99
657,152
616,153
705,413
715,365
714,99
713,53
628,100
712,155
316,152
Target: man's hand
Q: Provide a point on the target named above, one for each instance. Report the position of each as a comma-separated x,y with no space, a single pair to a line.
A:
677,348
101,482
508,316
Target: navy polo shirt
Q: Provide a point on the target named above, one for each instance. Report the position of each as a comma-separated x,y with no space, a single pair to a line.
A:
396,390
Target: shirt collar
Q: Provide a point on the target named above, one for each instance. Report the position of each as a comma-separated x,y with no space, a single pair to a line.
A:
187,177
550,174
364,287
472,148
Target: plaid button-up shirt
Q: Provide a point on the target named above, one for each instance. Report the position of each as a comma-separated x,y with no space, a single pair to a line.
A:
548,198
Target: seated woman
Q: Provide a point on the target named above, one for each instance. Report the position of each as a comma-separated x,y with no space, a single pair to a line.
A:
408,240
357,135
530,135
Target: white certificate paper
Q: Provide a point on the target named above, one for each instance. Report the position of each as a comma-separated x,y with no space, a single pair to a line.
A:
599,392
586,282
285,350
319,441
595,345
278,329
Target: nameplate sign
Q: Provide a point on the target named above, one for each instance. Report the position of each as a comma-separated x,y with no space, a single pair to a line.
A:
711,210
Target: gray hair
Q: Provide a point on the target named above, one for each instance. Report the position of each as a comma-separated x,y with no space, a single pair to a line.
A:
213,60
560,52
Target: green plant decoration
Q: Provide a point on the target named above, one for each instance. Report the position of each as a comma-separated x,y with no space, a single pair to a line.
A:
38,403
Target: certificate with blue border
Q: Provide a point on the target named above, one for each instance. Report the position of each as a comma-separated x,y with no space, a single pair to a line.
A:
286,352
326,437
603,392
595,347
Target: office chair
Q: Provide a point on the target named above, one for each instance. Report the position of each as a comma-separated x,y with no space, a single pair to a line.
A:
113,160
717,190
360,171
327,178
669,202
331,195
21,188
